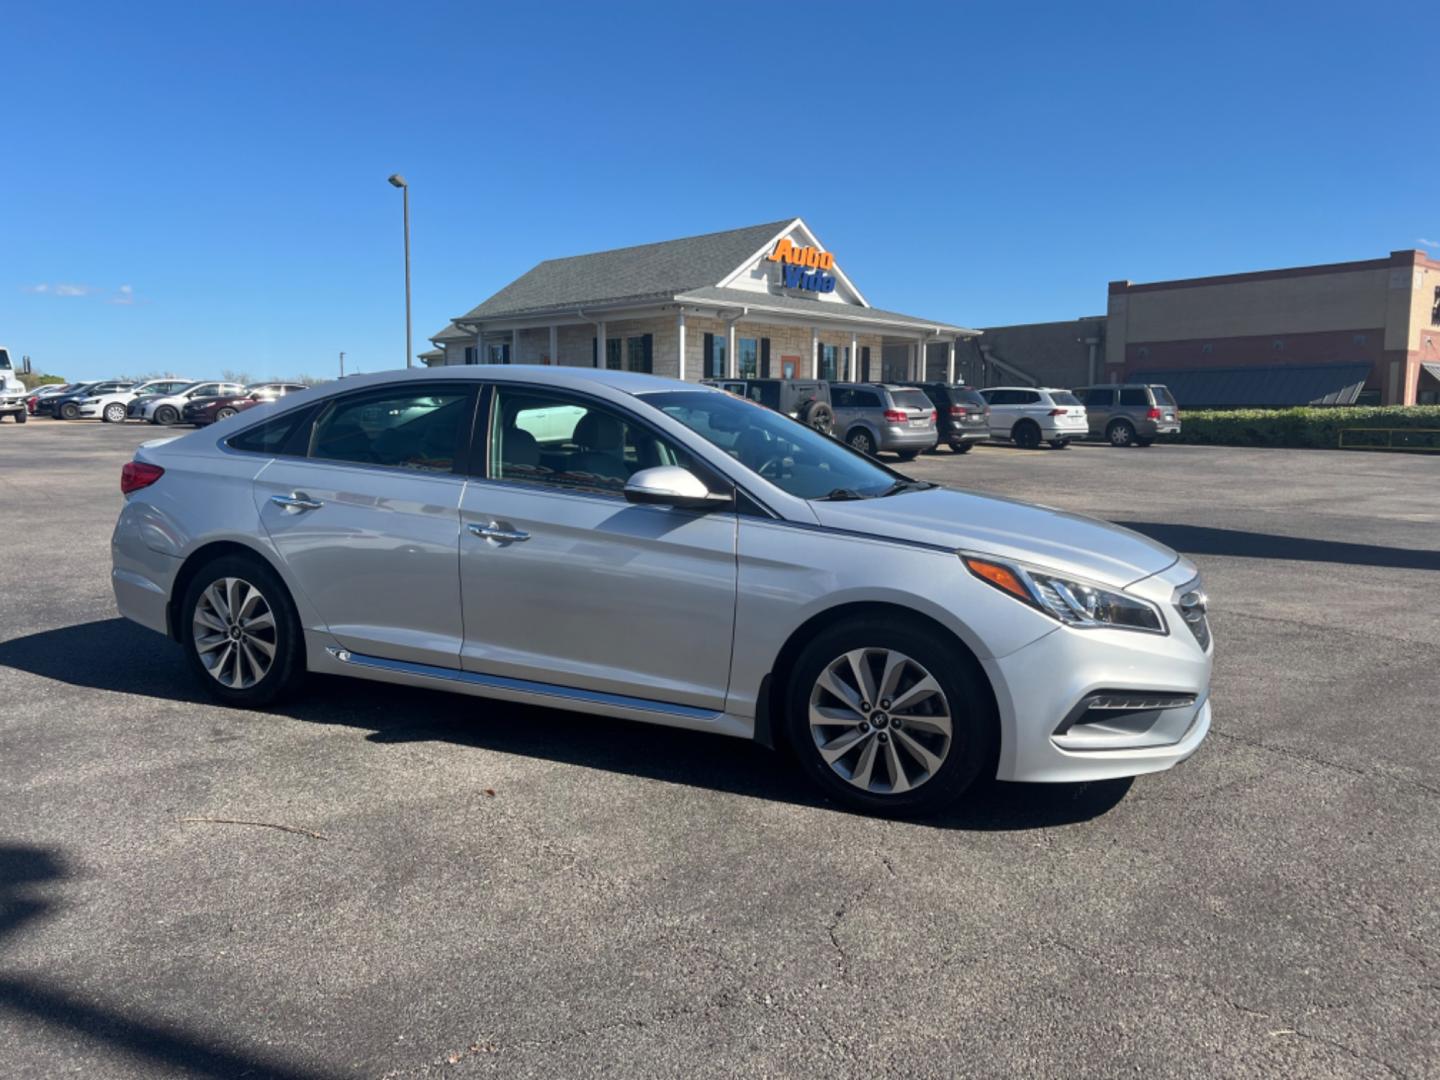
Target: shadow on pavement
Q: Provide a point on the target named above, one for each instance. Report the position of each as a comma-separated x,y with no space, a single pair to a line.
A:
122,658
1205,540
24,872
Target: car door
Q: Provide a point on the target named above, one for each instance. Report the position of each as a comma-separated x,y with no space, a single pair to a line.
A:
366,515
1099,406
567,584
1002,411
842,402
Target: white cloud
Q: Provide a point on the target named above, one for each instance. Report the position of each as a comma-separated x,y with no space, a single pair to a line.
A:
1430,243
73,290
124,295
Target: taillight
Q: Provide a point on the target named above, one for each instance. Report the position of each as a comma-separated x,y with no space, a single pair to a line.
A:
1059,412
957,410
896,416
1153,414
934,416
138,474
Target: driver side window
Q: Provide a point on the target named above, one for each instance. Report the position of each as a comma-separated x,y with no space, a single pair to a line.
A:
570,443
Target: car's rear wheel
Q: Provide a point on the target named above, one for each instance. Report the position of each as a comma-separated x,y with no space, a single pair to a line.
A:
69,411
883,718
961,447
224,413
860,440
907,455
1059,444
241,633
1026,434
1144,442
1121,433
166,415
114,414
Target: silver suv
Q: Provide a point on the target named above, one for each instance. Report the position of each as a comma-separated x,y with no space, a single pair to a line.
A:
878,418
636,547
1130,414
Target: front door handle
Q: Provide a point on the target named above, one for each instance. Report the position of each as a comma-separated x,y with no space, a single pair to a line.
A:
493,531
296,501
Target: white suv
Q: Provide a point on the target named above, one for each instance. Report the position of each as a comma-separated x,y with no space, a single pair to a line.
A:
1030,415
111,407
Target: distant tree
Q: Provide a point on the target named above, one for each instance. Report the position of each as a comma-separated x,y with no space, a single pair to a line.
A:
242,377
310,380
35,379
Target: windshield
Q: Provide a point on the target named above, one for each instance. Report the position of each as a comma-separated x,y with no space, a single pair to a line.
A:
793,456
5,364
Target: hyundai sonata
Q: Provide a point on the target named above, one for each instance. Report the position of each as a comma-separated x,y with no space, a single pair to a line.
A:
635,547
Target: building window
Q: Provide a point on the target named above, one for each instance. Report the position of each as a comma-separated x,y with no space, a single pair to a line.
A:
612,354
1143,353
1435,310
1277,345
469,354
747,355
1360,339
828,354
1207,348
715,356
639,354
499,354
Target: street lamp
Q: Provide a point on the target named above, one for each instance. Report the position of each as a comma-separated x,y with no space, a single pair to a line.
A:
396,180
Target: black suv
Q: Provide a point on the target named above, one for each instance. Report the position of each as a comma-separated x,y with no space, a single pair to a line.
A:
806,400
961,414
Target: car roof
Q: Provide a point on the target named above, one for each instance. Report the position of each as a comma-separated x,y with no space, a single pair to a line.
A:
574,378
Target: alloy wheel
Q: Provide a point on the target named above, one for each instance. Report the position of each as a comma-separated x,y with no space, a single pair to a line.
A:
861,442
234,632
880,720
224,414
115,414
1121,434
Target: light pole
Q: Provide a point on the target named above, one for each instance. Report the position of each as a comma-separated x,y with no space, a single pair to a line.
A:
396,180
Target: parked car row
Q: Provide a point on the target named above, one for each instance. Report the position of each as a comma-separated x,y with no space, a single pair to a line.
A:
165,401
910,418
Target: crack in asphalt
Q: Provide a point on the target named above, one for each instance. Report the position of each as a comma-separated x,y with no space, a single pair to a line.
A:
838,916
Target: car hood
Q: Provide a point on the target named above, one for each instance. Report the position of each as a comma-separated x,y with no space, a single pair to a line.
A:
1006,528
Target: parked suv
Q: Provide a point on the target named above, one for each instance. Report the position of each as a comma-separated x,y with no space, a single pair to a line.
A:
875,418
1030,415
1130,414
806,400
961,416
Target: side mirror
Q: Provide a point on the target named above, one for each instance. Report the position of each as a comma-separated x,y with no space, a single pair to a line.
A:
670,485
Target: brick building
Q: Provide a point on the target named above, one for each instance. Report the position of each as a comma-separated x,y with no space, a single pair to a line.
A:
768,301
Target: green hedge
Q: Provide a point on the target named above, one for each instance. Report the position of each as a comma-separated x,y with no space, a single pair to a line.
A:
1306,427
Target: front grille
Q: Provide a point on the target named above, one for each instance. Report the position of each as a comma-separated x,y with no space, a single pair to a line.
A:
1191,602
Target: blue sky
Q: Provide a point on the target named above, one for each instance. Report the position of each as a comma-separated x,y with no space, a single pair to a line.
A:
198,187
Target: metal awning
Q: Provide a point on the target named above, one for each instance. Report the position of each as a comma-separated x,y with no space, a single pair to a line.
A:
1432,369
1270,385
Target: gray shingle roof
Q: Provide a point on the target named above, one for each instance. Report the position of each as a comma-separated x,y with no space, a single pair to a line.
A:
814,308
453,333
644,272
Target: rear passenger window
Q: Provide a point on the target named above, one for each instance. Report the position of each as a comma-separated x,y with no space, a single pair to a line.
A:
269,437
865,399
573,444
1135,397
843,399
1095,398
413,429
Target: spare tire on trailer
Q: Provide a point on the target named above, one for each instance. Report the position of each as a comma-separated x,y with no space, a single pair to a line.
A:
819,416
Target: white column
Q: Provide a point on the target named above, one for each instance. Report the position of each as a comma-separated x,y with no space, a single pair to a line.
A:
515,346
950,362
600,344
814,353
680,333
853,366
479,346
732,365
554,344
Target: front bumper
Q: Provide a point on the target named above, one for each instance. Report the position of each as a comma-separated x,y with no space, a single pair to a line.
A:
1040,688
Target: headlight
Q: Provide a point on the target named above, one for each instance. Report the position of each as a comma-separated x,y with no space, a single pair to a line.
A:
1075,603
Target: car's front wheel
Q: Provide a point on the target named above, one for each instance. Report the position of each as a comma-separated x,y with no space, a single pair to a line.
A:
883,718
224,413
907,455
1059,444
961,447
241,633
69,411
114,414
860,440
166,415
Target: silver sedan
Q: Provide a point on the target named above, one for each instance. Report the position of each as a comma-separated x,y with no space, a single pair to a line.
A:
636,547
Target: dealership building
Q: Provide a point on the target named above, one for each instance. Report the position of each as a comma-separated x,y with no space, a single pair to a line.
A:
764,301
1366,331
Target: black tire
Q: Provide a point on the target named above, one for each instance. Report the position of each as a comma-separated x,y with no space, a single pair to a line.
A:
1060,444
1026,434
860,440
20,417
1144,442
1121,433
287,668
70,411
961,447
166,415
113,414
972,711
224,413
907,455
820,417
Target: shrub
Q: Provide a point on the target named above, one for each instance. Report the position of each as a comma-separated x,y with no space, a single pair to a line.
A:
1307,427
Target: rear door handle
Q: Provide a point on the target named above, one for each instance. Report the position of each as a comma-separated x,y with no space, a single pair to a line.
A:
493,531
296,501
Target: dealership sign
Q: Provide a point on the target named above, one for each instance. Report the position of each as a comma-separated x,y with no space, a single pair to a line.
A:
804,267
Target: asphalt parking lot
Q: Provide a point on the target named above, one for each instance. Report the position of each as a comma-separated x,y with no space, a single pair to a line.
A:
480,889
